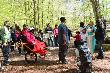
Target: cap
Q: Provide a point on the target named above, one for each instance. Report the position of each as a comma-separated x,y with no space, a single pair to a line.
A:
62,19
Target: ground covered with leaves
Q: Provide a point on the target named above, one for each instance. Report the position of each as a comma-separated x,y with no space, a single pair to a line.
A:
50,65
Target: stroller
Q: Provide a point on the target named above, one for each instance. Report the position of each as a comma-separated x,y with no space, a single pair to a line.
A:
84,59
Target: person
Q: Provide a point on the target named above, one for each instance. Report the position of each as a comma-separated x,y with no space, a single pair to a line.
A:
84,35
63,40
12,38
81,26
99,35
6,35
91,41
48,28
16,35
55,31
40,35
77,43
36,45
49,31
102,22
69,34
77,39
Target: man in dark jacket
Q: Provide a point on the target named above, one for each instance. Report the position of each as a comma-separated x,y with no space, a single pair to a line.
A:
99,35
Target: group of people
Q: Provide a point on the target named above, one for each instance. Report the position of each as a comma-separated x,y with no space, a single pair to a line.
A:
53,40
16,37
92,34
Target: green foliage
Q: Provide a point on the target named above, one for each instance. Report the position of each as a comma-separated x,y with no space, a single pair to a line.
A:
49,11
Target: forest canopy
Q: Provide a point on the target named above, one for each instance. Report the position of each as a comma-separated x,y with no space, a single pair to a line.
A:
40,12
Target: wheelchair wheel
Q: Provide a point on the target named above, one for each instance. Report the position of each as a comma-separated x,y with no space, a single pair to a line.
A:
30,57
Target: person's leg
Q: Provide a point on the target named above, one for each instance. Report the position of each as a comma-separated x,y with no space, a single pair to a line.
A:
64,53
89,44
93,44
12,47
52,40
60,53
48,41
19,49
55,41
100,53
5,51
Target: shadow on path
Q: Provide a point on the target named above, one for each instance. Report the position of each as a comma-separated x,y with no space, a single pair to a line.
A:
39,63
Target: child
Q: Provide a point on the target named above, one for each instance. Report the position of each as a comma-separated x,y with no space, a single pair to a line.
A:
77,43
77,39
56,35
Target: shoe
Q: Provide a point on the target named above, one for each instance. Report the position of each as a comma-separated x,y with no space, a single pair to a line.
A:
9,60
64,62
59,62
2,68
6,64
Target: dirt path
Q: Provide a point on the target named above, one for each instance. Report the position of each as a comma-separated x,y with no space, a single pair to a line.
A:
50,65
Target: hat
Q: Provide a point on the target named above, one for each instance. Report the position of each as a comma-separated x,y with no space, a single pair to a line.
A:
62,19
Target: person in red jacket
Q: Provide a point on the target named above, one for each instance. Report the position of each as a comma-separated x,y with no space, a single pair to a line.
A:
77,39
55,31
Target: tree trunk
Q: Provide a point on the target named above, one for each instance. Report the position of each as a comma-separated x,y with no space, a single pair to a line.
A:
42,14
38,13
96,8
25,4
34,10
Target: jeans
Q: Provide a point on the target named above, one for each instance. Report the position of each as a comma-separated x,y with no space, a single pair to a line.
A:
56,41
5,51
99,46
62,52
50,41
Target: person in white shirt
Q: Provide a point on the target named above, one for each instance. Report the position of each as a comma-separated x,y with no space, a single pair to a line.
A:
84,35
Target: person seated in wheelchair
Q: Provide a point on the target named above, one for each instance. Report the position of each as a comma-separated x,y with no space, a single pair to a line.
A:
84,55
32,43
81,45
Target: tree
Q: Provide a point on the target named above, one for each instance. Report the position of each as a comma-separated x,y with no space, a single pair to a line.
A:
34,10
96,8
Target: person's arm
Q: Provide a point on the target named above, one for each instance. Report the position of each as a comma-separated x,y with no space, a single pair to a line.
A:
71,34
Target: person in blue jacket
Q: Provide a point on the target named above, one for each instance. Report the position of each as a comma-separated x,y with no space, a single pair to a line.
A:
63,40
